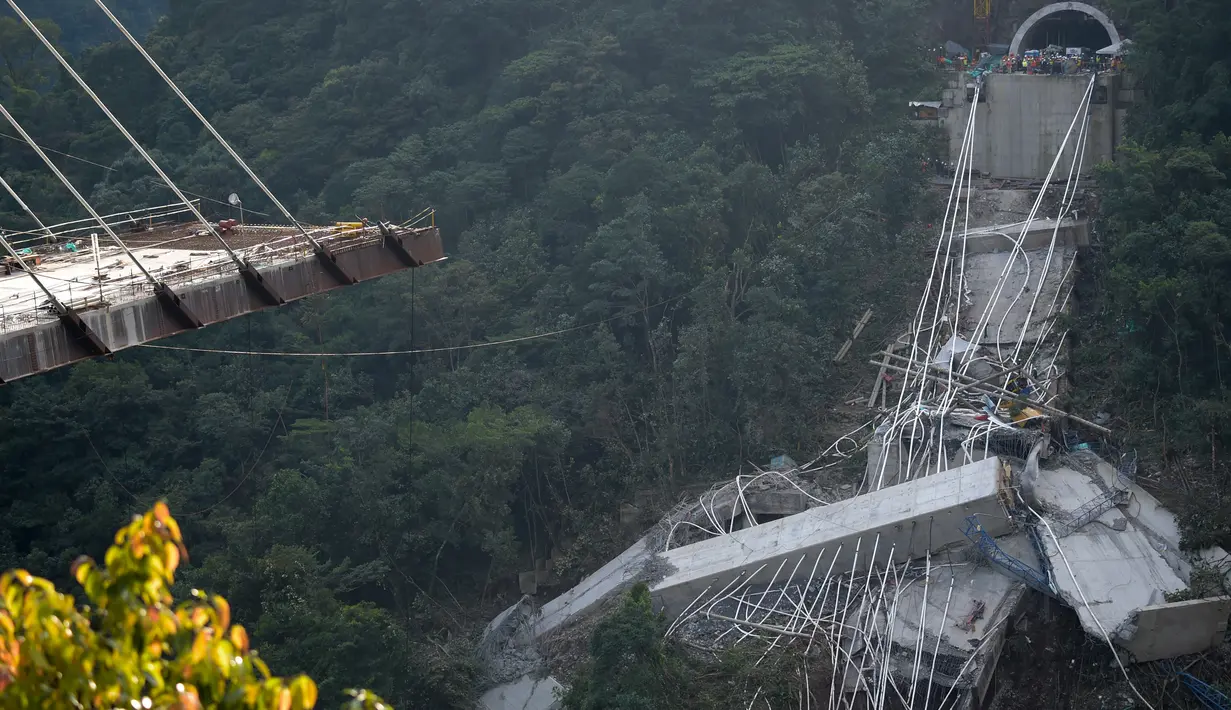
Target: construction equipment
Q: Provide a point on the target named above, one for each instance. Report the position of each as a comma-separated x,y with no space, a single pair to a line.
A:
11,264
983,17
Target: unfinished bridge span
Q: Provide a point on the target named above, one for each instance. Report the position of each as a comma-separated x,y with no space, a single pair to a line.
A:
101,284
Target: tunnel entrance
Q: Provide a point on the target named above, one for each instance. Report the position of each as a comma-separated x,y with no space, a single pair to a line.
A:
1067,24
1070,28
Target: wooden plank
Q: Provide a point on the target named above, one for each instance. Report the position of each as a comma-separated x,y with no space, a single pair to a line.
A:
879,385
863,321
867,316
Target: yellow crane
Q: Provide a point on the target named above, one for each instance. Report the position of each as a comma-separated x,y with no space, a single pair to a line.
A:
983,15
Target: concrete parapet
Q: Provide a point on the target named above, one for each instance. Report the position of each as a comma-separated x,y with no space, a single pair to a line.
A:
1179,628
908,518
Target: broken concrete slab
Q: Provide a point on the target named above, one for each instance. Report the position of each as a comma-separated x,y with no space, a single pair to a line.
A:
507,646
1179,628
1010,304
777,502
526,693
975,588
1064,490
1118,572
907,519
1148,514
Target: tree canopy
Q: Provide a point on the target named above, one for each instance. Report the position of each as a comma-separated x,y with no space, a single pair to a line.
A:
1154,338
701,198
130,644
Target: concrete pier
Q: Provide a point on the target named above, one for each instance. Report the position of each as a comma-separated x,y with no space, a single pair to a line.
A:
1022,120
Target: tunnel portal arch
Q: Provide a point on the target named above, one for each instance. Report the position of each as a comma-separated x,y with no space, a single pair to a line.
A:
1060,7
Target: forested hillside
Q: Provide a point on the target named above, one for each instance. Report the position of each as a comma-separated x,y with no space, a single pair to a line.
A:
1153,341
716,190
82,24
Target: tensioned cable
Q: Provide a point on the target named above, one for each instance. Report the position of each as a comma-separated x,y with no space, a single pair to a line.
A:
472,346
70,156
129,136
59,152
13,193
80,199
204,121
55,302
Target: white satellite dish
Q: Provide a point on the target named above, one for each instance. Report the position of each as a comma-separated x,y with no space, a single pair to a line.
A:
234,200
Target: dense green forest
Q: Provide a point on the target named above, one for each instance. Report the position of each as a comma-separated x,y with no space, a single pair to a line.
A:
81,23
716,190
1157,307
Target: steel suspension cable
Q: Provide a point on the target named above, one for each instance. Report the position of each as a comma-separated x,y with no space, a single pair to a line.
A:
205,122
77,194
21,203
129,136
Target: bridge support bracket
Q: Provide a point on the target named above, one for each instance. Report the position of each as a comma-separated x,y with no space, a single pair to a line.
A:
263,289
330,262
393,244
72,320
177,307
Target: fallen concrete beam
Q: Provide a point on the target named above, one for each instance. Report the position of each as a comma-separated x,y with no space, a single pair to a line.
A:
1118,571
1179,628
609,580
908,518
1070,232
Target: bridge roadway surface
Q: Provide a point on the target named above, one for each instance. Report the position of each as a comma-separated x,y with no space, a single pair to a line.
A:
122,309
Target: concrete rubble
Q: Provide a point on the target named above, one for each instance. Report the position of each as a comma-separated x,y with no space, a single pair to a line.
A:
977,495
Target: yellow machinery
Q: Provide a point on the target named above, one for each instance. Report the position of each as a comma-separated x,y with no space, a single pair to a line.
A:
983,16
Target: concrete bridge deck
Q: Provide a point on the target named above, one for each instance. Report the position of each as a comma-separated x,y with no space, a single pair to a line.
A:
116,307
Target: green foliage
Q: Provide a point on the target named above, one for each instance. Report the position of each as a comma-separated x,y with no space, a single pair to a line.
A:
26,67
85,25
130,643
630,668
1189,91
1155,343
1204,581
699,198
